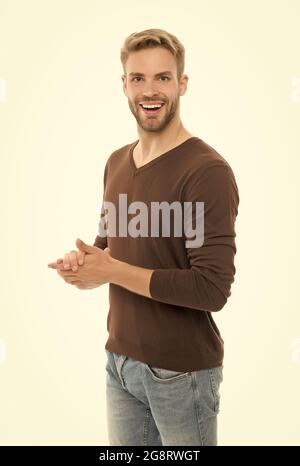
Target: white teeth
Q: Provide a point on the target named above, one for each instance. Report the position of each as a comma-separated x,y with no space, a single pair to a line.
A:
151,106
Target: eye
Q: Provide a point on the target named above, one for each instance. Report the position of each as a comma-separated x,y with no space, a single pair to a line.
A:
139,77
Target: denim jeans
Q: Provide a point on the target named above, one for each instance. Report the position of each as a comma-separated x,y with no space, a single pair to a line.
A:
147,405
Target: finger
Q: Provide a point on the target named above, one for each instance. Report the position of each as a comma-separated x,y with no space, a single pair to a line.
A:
75,282
54,265
66,261
67,275
82,246
73,260
80,257
59,260
81,286
70,280
85,286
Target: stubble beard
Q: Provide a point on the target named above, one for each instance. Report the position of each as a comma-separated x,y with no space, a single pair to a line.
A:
152,124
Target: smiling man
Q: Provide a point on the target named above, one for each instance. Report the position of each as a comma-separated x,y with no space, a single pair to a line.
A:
164,351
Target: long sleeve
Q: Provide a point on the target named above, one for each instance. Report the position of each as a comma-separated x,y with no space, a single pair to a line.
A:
206,284
101,241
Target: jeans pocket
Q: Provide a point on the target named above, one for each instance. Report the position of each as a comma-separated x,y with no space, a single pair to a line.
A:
108,359
165,375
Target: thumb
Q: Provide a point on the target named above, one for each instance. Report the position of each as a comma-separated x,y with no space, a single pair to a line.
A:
85,247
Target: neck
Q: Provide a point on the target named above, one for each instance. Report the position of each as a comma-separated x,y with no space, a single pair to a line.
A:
153,143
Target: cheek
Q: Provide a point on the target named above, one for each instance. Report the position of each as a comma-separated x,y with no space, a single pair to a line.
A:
131,95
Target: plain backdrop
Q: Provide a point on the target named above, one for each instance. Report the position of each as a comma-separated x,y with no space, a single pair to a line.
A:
62,113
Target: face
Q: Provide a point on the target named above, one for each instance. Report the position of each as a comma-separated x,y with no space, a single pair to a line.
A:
151,78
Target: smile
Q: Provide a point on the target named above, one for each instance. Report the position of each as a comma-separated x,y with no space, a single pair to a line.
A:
152,111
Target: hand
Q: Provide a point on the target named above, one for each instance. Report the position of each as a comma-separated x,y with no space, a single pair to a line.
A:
95,270
71,260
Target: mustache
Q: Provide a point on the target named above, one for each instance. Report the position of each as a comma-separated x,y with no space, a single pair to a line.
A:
151,100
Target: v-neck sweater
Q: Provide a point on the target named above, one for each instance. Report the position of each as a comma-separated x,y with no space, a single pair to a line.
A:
174,329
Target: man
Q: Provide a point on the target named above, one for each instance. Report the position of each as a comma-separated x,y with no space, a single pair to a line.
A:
164,350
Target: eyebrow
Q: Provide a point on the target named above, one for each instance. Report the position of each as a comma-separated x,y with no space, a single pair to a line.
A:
157,74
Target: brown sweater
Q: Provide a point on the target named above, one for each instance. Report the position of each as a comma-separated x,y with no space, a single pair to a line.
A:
174,329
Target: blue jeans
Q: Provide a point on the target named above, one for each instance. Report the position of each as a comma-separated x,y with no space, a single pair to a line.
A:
147,405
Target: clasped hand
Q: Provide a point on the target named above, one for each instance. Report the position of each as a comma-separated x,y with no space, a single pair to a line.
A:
87,268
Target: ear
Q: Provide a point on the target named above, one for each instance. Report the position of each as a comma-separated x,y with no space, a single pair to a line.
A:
124,84
183,84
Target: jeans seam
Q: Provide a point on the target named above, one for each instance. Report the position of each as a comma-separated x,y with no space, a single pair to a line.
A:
122,380
214,390
146,427
212,384
196,398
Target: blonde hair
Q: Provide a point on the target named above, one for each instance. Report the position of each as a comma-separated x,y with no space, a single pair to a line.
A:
151,38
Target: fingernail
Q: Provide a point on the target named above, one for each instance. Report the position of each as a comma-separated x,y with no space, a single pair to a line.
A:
80,261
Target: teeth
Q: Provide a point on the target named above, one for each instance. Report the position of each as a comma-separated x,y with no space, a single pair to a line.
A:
151,106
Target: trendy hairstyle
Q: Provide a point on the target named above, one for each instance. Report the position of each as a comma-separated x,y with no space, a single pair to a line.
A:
151,38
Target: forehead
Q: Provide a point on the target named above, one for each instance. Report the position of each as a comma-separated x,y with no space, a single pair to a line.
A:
151,61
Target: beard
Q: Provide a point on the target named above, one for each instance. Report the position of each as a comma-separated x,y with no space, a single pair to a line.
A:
154,123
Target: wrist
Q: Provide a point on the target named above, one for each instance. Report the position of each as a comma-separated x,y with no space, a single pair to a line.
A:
116,271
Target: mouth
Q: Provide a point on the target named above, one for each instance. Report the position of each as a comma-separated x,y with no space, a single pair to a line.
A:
151,111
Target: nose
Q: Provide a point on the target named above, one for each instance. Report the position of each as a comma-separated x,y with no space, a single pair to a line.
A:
149,90
150,94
